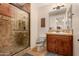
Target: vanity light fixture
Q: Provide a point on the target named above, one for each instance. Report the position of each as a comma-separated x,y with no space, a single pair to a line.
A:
58,7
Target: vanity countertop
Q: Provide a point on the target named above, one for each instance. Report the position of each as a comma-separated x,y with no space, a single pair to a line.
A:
60,33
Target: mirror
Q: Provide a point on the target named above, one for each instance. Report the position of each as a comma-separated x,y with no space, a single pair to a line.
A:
61,19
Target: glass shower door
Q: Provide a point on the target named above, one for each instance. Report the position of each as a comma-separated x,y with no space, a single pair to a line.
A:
14,33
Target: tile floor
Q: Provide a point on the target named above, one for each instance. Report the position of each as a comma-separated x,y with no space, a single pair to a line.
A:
48,54
33,52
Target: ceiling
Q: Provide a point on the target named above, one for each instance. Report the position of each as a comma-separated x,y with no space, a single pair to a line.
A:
47,4
42,4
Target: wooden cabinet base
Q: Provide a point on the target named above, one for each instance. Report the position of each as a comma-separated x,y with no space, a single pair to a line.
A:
60,44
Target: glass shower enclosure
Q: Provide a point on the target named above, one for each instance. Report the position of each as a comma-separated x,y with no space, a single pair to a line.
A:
14,32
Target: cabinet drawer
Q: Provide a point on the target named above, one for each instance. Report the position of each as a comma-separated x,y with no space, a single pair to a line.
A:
52,36
64,37
53,41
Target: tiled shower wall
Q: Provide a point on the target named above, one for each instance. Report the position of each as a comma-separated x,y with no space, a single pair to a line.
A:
12,39
5,31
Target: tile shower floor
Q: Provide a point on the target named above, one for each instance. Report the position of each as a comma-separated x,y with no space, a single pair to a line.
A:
10,50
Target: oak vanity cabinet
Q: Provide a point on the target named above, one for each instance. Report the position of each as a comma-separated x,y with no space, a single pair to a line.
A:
60,44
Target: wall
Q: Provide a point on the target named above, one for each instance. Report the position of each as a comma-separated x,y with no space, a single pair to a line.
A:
75,24
5,9
43,13
34,25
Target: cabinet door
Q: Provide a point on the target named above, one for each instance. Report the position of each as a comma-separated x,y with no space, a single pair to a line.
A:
51,47
68,48
59,46
64,45
51,44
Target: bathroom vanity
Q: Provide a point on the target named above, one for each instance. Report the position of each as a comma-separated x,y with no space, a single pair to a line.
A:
60,43
59,35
